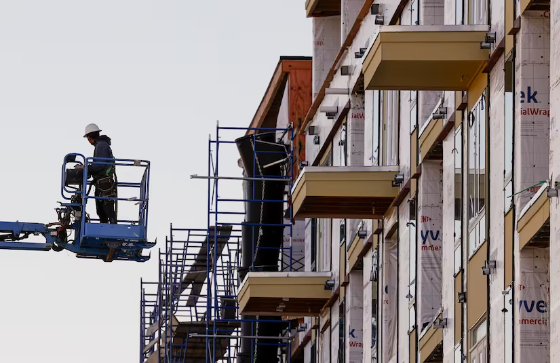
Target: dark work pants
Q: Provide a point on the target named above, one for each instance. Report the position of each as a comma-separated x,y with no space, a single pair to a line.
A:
105,210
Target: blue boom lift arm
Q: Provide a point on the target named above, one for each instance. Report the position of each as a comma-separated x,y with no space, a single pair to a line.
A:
75,231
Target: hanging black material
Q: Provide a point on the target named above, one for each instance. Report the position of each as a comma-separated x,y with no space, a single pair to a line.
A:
261,156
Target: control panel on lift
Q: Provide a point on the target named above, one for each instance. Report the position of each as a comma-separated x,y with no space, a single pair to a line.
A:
76,230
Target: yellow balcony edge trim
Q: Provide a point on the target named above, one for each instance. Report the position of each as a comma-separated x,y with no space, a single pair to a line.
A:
531,227
354,252
310,6
532,211
429,136
429,341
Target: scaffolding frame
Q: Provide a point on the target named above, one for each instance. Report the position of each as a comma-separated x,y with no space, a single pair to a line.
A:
193,308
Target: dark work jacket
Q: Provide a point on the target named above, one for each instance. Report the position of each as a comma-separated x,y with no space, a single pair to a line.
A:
102,150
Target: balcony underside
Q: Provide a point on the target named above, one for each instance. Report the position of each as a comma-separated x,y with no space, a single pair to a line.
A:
284,293
437,58
344,192
536,5
319,8
437,355
431,345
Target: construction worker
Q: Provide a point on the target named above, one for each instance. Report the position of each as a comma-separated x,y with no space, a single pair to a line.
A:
103,175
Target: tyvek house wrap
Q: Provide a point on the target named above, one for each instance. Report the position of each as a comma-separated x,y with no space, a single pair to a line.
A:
349,12
532,105
532,305
429,241
296,255
354,318
355,131
389,335
554,163
326,43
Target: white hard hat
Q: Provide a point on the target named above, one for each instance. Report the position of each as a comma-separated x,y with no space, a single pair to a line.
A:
91,128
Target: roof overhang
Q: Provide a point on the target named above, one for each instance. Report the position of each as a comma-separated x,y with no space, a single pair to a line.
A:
425,57
267,112
344,192
284,293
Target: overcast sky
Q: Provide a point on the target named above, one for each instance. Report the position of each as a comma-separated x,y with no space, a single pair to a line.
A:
155,76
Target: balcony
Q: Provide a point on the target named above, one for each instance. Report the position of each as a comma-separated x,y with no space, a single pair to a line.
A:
534,223
429,58
284,293
431,345
432,136
344,192
318,8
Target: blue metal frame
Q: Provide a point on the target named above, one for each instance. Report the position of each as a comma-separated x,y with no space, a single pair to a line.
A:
125,240
207,303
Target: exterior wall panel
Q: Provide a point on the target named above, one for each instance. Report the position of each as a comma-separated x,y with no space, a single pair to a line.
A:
532,105
448,230
554,163
496,240
368,305
403,275
429,241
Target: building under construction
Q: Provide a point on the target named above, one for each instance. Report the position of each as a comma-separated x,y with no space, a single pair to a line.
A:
399,197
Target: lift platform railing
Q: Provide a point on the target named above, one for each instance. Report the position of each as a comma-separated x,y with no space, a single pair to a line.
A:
79,178
75,231
125,238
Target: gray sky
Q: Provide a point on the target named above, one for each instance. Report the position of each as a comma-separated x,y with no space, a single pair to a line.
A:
155,75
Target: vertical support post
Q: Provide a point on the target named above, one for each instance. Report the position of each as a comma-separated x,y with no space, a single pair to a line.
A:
208,300
142,324
215,248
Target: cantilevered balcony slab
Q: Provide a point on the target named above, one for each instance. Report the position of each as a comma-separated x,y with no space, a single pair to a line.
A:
284,293
425,57
534,224
319,8
344,192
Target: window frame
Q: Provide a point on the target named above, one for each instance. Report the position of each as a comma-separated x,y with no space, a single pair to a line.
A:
314,242
391,128
477,140
458,349
343,143
481,345
313,352
460,16
458,225
376,129
415,6
413,273
478,12
474,227
476,215
509,134
413,111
